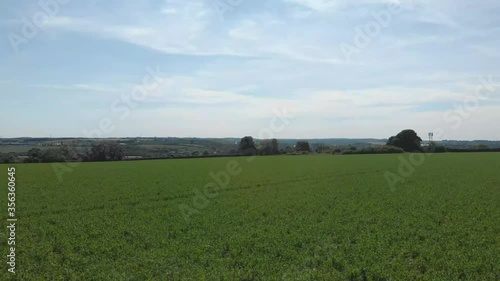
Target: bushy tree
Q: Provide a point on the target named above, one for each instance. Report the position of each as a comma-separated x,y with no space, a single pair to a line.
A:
52,155
275,146
302,146
69,153
115,151
35,155
7,158
269,147
247,146
98,152
321,148
110,151
408,140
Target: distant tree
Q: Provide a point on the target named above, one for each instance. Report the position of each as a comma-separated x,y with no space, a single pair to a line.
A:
439,149
408,140
115,151
35,155
302,146
247,146
7,158
69,153
269,147
85,155
110,151
275,146
482,147
98,152
321,148
383,149
52,155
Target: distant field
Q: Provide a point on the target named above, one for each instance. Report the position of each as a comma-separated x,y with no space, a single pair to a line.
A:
282,218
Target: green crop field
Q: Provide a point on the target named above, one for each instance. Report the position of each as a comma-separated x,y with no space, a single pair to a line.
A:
271,218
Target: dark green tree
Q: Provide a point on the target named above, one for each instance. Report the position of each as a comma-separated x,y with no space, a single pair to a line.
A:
114,151
110,151
275,146
269,147
408,140
52,155
7,158
35,155
247,146
98,152
302,146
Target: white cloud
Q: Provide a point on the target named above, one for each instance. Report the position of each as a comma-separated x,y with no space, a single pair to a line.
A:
190,31
438,18
232,73
329,5
79,87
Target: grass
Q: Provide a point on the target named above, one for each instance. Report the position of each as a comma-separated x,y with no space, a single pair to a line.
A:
282,218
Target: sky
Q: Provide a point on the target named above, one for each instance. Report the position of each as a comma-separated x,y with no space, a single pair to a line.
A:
231,68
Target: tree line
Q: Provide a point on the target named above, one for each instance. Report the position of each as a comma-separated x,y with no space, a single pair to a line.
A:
247,147
106,151
405,141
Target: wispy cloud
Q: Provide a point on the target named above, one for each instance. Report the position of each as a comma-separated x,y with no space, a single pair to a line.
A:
189,33
262,55
79,87
331,5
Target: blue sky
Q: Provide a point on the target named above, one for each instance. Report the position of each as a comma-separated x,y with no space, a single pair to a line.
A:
224,67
